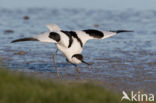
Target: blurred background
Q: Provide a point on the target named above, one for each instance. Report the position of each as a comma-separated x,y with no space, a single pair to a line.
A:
125,62
87,4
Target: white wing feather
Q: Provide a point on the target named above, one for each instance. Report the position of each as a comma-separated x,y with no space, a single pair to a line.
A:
53,27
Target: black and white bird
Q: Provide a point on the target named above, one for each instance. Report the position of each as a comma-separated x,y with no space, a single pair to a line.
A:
70,43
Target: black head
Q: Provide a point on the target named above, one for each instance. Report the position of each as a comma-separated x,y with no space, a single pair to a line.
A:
78,56
55,36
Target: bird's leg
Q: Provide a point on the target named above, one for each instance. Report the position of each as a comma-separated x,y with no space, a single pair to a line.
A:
89,64
77,69
54,62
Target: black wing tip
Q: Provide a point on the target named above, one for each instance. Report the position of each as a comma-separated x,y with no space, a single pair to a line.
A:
13,41
120,31
24,39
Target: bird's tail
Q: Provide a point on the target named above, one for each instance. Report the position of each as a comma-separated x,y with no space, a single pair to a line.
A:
25,39
120,31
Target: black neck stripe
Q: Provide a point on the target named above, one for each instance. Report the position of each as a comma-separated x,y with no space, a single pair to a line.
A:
71,34
94,33
75,36
70,38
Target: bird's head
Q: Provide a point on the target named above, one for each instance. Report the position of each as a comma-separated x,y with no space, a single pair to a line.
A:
77,58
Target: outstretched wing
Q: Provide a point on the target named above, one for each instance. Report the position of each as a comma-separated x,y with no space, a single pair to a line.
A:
44,37
84,35
89,34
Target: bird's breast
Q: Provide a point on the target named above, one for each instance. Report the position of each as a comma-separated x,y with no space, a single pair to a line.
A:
69,52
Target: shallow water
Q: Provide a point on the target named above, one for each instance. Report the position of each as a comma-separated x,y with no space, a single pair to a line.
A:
126,61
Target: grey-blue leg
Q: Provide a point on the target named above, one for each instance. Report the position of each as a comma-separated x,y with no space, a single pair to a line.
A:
54,62
76,67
